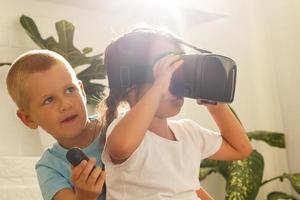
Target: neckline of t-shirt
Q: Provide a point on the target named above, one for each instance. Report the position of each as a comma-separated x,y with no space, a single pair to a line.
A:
87,149
170,125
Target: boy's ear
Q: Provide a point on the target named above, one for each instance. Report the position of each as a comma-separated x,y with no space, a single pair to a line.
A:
82,89
25,118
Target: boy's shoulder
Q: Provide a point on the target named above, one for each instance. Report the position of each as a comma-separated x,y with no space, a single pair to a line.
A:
53,158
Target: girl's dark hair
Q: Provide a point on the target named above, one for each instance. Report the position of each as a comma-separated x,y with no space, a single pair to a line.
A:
131,48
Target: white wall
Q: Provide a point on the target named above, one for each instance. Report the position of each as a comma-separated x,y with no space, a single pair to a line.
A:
18,178
260,36
284,22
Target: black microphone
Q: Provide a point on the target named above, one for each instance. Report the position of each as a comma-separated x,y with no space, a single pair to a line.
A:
75,155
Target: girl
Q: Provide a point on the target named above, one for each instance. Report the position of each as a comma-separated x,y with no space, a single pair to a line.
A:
146,155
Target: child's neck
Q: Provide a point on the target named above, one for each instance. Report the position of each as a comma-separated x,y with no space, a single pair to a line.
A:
85,138
160,127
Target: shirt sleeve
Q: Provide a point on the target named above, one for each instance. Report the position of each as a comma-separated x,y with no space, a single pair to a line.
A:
50,181
209,141
132,162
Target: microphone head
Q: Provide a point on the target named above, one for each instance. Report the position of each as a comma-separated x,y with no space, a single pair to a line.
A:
75,155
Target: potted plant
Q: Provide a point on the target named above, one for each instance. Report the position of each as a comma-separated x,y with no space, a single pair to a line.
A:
244,178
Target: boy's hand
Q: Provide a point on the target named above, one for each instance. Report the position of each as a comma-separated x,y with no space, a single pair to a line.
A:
164,69
88,180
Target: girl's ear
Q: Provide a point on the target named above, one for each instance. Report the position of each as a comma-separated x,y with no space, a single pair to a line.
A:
132,96
26,119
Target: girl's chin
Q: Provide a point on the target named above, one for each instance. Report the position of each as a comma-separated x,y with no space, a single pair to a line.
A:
178,102
170,113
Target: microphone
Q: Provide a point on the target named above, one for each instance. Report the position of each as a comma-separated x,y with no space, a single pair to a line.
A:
75,155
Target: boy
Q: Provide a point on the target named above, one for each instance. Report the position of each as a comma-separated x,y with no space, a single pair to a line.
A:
45,88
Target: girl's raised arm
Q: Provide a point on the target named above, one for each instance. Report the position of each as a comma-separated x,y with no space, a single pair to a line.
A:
235,145
129,132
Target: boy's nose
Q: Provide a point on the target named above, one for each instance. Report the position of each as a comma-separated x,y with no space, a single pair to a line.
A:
65,105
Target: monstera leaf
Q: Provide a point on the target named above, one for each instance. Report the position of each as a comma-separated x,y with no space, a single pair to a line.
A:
65,47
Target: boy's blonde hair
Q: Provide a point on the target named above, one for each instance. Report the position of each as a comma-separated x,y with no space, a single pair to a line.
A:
30,62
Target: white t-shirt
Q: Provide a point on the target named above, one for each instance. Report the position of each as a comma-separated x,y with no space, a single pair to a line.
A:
161,169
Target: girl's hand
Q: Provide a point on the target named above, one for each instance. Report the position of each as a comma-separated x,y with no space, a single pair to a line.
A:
206,102
163,70
88,180
203,195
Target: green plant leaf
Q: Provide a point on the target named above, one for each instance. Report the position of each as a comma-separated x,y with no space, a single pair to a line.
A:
294,180
87,50
280,195
65,31
32,31
245,177
219,166
274,139
204,172
3,64
94,72
65,47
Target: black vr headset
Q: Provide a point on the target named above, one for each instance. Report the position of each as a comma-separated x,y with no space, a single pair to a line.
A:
206,76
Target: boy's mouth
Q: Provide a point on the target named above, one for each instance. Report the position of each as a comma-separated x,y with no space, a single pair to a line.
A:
68,119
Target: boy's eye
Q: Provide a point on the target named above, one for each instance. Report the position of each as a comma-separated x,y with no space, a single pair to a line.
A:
48,100
70,90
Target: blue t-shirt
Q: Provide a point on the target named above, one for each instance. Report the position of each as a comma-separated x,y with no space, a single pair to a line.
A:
54,171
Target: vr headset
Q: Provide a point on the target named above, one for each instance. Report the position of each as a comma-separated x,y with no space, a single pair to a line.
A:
205,76
208,77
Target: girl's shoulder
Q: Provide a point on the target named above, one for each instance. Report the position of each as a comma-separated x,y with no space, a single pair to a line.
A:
189,123
184,127
190,127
